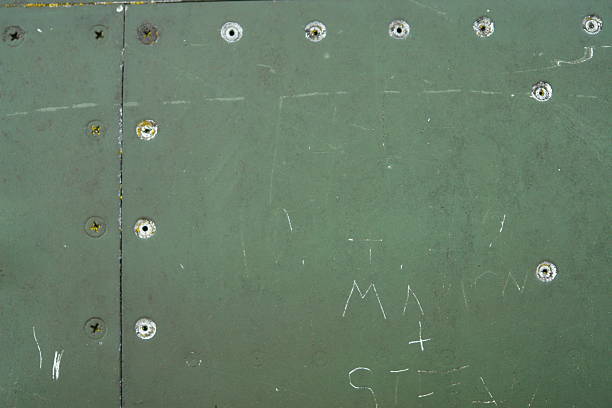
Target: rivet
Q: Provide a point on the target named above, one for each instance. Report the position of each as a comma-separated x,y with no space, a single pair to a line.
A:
95,128
95,328
546,271
13,35
315,31
399,29
147,33
592,24
98,32
541,91
231,32
145,328
483,26
146,130
144,228
95,227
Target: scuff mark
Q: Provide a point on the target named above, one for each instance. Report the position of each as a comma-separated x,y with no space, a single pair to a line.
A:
588,54
52,108
57,360
175,102
288,220
442,91
37,345
84,105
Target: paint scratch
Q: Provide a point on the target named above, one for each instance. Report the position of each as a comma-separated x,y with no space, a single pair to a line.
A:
288,220
37,345
57,360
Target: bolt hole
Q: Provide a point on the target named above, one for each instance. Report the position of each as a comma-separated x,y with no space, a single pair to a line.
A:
99,34
94,328
14,36
145,328
145,228
398,30
232,33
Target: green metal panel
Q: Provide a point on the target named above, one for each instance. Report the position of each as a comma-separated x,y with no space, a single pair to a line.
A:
351,223
53,276
285,170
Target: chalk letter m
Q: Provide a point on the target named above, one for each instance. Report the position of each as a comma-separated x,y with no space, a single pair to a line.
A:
362,295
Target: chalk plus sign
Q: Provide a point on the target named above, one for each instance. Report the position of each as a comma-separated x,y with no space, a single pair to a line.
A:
421,340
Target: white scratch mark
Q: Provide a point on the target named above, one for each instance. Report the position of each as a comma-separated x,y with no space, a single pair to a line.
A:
401,266
364,240
428,7
408,292
181,265
455,384
288,220
16,113
464,296
362,387
370,256
587,96
492,400
425,395
130,104
452,370
515,283
229,99
403,370
389,92
37,345
57,360
490,244
52,108
119,8
588,54
175,102
486,92
363,295
532,398
443,91
272,70
275,152
502,223
421,340
309,94
361,127
39,30
481,275
84,105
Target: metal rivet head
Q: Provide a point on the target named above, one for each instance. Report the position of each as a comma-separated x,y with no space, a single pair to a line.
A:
95,227
483,26
546,271
399,29
592,24
146,130
145,328
13,35
231,32
147,33
315,31
541,91
98,32
95,128
144,228
95,328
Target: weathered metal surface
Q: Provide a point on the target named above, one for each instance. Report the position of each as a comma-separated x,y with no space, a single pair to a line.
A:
59,245
287,175
370,219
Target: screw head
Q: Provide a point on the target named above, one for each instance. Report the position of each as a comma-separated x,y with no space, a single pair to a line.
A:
146,130
95,227
592,24
483,27
13,36
315,31
144,228
399,29
231,32
99,33
95,128
145,328
95,328
541,91
546,271
147,33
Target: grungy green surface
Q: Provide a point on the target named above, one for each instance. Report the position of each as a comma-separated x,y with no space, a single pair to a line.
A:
351,223
53,276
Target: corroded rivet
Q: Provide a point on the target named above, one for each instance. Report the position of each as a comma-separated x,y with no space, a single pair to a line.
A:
546,271
399,29
144,228
315,31
13,35
98,32
145,328
541,91
231,32
483,26
95,227
95,328
95,128
147,33
592,24
147,129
